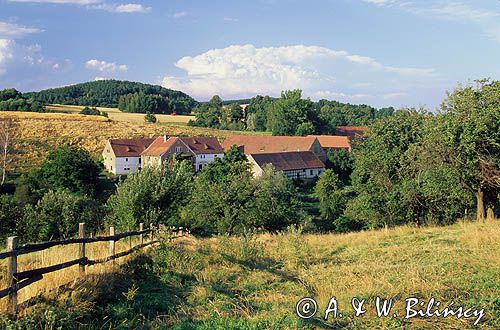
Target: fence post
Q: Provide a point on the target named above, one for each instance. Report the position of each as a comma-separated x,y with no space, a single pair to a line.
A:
11,270
141,236
129,240
81,234
112,243
151,236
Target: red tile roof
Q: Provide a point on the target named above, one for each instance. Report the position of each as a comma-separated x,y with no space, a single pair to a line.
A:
287,161
198,144
159,146
333,141
129,147
254,144
351,131
203,144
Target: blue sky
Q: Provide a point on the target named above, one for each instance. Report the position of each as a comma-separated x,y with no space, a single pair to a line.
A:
379,52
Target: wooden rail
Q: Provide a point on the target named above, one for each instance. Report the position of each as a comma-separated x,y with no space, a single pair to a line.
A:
18,280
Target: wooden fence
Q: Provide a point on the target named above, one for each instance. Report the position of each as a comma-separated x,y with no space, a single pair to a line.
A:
18,280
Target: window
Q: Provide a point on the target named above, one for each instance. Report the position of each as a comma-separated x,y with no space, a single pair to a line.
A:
139,160
311,172
200,167
126,159
178,149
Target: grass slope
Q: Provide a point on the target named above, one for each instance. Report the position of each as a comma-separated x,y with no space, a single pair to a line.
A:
40,132
254,282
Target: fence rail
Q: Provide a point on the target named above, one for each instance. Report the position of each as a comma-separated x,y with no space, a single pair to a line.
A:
18,280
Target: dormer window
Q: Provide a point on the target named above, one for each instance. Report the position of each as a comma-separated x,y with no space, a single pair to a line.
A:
178,149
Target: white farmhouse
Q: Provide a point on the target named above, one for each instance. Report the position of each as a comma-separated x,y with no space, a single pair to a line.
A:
200,150
123,156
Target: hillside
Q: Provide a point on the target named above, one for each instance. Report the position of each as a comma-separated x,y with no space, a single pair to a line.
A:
254,282
39,132
106,93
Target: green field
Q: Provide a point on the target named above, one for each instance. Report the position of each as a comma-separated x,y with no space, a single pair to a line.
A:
254,282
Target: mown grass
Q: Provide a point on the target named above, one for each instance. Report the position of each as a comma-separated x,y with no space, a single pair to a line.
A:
117,115
38,133
254,282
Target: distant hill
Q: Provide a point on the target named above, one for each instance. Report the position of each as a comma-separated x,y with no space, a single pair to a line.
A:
107,93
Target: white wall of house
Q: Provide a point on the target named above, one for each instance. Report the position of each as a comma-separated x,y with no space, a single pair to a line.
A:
204,159
308,173
127,165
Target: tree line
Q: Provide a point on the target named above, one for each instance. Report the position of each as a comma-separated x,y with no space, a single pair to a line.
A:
128,96
288,115
13,100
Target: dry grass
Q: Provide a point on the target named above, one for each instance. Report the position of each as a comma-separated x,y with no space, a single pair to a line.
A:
117,115
40,132
60,254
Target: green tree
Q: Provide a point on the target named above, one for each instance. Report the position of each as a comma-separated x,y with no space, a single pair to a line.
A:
150,118
153,195
467,138
11,211
71,168
56,216
289,112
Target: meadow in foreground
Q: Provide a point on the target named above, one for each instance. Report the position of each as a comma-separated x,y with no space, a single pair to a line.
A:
254,281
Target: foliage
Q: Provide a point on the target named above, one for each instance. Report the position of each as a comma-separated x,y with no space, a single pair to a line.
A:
71,168
214,114
341,161
12,100
93,112
145,103
11,211
153,195
56,215
150,118
292,115
107,93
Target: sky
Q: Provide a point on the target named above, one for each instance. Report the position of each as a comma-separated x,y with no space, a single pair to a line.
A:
399,53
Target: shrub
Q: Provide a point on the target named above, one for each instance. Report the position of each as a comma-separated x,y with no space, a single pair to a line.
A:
150,118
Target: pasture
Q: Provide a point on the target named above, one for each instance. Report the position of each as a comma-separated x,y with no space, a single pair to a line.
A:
254,282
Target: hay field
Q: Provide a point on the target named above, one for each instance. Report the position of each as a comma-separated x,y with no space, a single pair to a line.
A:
37,133
115,114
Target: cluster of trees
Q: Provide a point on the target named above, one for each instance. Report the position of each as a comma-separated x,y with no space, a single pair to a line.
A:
93,112
107,93
144,103
288,115
217,115
12,100
419,167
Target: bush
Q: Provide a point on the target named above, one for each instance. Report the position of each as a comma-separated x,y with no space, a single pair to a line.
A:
57,215
10,212
150,118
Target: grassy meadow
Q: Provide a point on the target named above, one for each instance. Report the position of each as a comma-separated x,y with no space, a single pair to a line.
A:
39,132
254,282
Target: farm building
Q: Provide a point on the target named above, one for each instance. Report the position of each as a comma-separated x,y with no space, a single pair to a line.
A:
332,142
258,144
199,150
123,156
295,165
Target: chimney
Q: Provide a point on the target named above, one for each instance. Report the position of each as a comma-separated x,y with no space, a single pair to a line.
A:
164,138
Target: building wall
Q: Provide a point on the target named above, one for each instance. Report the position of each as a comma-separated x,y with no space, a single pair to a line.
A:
309,173
127,165
108,158
200,161
318,150
151,161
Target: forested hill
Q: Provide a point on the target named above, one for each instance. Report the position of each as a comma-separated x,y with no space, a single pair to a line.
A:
107,93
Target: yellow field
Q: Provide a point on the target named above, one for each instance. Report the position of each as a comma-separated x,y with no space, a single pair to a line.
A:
40,132
115,114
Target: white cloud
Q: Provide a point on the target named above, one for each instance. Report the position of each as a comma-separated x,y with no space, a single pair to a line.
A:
105,68
11,30
180,14
245,70
97,4
24,66
123,8
487,20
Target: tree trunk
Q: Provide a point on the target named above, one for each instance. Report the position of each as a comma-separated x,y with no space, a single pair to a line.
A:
480,205
490,214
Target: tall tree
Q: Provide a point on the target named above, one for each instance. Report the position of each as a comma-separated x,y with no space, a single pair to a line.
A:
467,137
